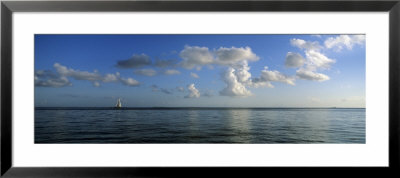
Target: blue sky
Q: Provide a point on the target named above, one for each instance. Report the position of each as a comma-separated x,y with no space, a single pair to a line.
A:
200,70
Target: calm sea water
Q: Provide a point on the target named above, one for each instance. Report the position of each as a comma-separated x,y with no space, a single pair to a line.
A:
200,126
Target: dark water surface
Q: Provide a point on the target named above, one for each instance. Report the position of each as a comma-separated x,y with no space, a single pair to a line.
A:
190,125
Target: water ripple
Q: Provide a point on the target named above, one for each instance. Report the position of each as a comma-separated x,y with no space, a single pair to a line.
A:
201,126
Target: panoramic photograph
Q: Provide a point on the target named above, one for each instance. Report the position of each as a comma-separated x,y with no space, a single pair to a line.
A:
200,88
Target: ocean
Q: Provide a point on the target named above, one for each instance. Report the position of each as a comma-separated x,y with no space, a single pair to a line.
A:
200,125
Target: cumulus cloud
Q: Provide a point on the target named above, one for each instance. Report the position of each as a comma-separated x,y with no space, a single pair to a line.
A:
110,77
129,81
242,72
195,56
194,75
238,77
233,86
145,72
276,76
314,61
344,41
193,92
171,72
60,78
318,60
258,82
306,45
76,74
294,60
134,62
268,76
46,78
117,78
311,75
233,55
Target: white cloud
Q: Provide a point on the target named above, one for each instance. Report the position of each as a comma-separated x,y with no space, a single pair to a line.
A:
50,79
135,61
314,61
344,41
76,74
294,60
258,82
111,77
311,75
59,79
194,75
314,58
129,81
268,76
238,77
276,76
242,72
358,39
195,56
117,78
145,72
233,55
318,60
171,72
233,86
307,45
193,92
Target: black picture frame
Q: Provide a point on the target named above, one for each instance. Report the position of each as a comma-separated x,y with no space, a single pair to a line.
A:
8,7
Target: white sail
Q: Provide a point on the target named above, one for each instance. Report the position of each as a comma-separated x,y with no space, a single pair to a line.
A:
118,105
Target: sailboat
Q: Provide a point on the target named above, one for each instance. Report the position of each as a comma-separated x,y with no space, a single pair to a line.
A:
118,105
